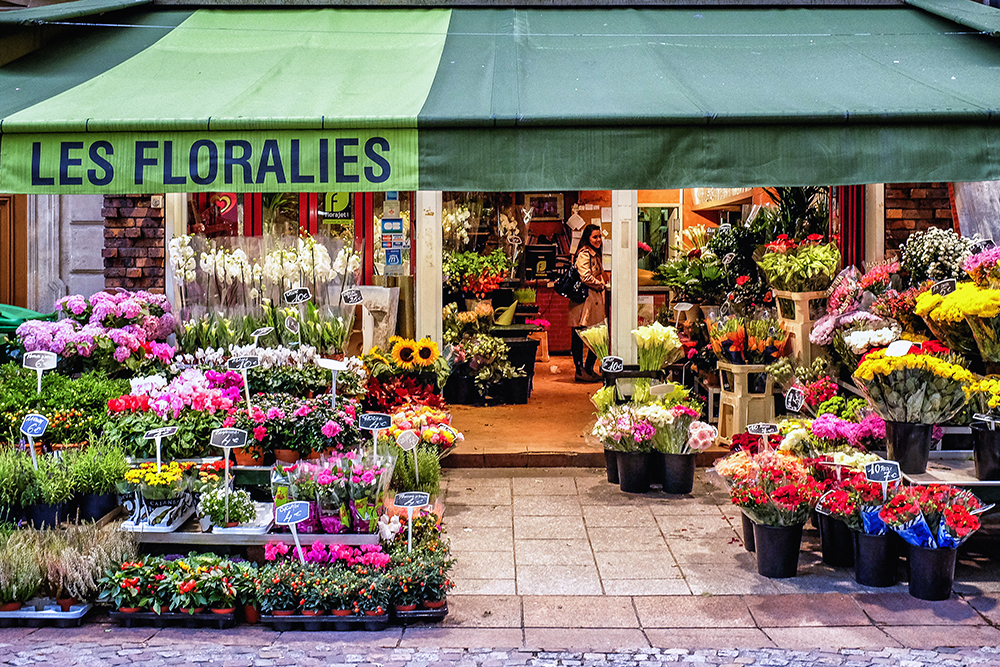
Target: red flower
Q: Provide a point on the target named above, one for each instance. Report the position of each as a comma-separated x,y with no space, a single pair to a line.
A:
742,280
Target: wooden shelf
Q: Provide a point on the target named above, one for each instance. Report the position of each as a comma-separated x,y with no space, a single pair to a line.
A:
733,203
188,534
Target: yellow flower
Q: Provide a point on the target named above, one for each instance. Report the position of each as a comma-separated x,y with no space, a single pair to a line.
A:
404,353
427,352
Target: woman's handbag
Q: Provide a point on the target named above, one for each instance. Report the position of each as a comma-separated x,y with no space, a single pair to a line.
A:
570,286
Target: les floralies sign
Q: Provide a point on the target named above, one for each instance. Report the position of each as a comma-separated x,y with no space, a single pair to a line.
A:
208,161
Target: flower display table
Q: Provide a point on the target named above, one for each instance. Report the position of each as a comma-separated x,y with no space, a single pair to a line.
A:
746,397
799,312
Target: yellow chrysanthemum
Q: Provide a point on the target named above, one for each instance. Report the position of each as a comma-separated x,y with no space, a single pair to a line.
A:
404,354
427,352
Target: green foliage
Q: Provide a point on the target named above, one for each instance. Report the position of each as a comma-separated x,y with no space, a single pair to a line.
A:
808,268
127,429
800,212
98,468
697,279
429,465
53,481
17,474
289,380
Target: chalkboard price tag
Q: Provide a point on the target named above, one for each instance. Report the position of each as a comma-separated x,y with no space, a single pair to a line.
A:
292,325
352,297
229,437
728,259
297,296
725,310
263,331
374,421
944,287
331,364
243,363
612,364
762,428
40,360
683,306
407,440
514,240
162,432
794,400
883,471
984,244
34,425
898,348
725,228
412,499
291,513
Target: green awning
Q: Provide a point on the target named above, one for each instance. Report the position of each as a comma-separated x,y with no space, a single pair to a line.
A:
503,99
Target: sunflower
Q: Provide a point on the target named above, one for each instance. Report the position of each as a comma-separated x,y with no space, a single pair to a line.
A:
404,354
427,352
393,340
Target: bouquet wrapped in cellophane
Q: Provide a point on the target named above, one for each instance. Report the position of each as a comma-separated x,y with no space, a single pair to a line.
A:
924,386
772,487
933,516
745,340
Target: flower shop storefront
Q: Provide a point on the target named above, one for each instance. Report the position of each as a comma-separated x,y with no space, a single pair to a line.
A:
406,105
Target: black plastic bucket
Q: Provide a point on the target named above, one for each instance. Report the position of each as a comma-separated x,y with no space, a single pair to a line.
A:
748,541
932,572
876,559
611,463
836,541
678,472
777,550
633,472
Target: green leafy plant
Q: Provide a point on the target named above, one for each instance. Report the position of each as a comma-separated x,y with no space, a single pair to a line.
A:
280,587
697,279
241,507
435,569
218,586
98,469
429,466
52,483
798,213
809,267
17,474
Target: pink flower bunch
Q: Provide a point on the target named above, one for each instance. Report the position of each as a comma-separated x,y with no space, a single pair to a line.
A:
331,429
230,382
150,313
701,436
684,411
841,431
191,389
274,549
982,261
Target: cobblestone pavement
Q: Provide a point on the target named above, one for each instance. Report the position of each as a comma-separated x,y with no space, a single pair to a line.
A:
300,655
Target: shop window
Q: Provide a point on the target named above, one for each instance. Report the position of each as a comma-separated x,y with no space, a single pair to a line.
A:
660,229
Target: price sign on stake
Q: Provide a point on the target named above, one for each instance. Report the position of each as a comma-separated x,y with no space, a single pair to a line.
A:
243,364
334,366
289,515
762,428
514,240
39,361
34,426
159,434
408,441
227,439
679,308
883,472
374,422
728,259
794,400
411,500
263,331
293,297
944,287
352,297
612,364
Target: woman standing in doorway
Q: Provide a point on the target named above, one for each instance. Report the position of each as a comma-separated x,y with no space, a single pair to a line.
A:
587,261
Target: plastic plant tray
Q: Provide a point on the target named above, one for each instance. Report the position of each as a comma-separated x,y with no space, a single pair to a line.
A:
50,615
142,527
326,622
259,526
205,619
421,615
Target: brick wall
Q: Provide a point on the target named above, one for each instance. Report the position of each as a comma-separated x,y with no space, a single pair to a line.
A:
133,243
911,207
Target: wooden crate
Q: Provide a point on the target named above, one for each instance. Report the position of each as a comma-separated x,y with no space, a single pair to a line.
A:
542,353
798,312
740,401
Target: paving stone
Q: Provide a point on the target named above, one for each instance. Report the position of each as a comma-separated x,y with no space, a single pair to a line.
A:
802,610
722,580
579,612
694,612
531,505
606,538
484,587
631,517
544,486
694,638
903,609
462,637
931,636
485,565
637,565
565,551
548,527
558,580
478,516
643,587
830,637
483,611
581,640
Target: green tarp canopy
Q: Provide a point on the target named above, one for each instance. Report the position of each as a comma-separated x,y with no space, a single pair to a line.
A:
503,99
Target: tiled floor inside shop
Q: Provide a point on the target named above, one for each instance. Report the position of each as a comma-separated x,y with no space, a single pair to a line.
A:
567,531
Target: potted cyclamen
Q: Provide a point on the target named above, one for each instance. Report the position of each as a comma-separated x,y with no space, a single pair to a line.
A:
933,520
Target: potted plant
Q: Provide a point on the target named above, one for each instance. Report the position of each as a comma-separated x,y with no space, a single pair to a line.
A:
72,559
406,585
190,595
50,491
219,588
280,589
985,394
317,592
912,392
241,508
933,520
246,579
679,440
127,587
373,592
345,585
17,474
161,491
436,580
630,434
96,472
20,574
776,491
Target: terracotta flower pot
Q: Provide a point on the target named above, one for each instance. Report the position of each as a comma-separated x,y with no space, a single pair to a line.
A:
66,603
405,607
224,611
232,524
252,614
341,612
196,610
124,610
313,612
246,458
10,606
373,612
435,604
315,456
283,612
286,455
